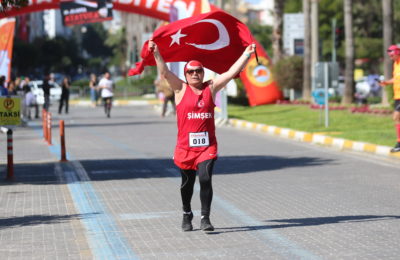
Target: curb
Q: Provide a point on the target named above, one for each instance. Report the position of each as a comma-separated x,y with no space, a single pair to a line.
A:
313,138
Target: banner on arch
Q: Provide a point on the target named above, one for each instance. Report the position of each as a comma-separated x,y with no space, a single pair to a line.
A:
75,12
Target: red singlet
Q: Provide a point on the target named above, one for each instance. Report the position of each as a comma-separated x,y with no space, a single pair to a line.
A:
196,128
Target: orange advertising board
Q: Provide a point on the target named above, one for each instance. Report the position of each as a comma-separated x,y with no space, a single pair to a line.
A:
7,27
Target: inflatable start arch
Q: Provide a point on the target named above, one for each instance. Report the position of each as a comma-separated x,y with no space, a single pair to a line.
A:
159,9
258,80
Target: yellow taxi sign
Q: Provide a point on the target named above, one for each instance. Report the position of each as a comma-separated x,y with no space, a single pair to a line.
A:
10,111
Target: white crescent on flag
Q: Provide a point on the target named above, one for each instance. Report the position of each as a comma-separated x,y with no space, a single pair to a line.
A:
222,41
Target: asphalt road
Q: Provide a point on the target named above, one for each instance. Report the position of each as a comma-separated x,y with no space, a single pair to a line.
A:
118,196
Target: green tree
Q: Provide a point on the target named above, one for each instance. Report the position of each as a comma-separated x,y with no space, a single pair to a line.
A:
93,41
387,10
262,33
277,49
21,50
306,91
117,43
349,58
56,55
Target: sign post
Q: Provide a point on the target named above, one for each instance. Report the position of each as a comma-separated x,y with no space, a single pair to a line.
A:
10,116
10,111
321,93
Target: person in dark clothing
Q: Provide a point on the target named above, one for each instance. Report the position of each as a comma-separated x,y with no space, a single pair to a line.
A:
3,89
46,92
64,95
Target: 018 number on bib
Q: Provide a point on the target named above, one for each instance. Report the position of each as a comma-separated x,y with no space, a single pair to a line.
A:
198,139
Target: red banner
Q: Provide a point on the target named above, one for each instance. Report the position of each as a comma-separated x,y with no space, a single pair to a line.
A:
7,27
33,6
259,81
159,9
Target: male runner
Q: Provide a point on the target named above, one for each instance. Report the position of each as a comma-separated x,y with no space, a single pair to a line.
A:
196,148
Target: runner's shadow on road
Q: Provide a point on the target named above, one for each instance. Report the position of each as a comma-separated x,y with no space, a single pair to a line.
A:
255,163
34,220
306,222
123,169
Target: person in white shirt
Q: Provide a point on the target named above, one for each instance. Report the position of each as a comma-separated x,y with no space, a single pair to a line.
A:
29,102
106,86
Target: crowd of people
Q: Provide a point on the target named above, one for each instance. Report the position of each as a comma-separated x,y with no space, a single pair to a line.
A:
101,91
20,86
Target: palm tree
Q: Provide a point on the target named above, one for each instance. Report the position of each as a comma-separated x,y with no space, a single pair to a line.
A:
387,6
349,53
307,51
277,30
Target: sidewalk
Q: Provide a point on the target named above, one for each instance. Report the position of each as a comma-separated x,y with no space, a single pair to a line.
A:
315,138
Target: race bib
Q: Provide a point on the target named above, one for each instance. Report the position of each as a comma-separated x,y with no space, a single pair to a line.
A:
198,139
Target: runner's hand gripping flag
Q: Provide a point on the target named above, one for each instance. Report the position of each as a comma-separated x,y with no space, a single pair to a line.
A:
216,39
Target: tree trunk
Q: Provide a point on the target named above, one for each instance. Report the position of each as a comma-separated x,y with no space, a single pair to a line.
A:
387,6
277,30
349,53
307,51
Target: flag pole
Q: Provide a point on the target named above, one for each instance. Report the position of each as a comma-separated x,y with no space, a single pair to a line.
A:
255,52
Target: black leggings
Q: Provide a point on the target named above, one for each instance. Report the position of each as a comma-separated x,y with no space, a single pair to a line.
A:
206,191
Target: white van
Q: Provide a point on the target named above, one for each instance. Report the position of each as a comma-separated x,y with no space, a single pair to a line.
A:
37,90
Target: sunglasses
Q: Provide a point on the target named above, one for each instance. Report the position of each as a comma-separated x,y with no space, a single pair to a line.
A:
198,71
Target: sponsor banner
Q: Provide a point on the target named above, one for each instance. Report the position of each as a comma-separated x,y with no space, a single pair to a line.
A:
85,11
10,111
258,80
7,27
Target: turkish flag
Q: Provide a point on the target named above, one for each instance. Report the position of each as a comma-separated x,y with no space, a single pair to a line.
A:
259,82
216,39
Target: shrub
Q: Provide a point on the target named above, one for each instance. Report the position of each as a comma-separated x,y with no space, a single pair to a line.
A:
288,72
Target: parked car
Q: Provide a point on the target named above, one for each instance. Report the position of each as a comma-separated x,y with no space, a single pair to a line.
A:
37,90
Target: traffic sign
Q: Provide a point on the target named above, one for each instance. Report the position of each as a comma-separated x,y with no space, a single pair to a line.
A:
10,111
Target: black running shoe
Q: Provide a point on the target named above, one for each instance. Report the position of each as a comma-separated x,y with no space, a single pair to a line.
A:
205,224
396,148
187,222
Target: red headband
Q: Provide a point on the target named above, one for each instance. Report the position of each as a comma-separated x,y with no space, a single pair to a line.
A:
193,64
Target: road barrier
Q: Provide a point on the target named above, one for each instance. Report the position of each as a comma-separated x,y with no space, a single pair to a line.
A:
44,123
49,128
62,141
10,159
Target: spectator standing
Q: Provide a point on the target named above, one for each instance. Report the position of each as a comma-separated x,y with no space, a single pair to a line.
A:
65,86
46,92
3,88
106,85
21,86
167,94
29,102
11,88
93,89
